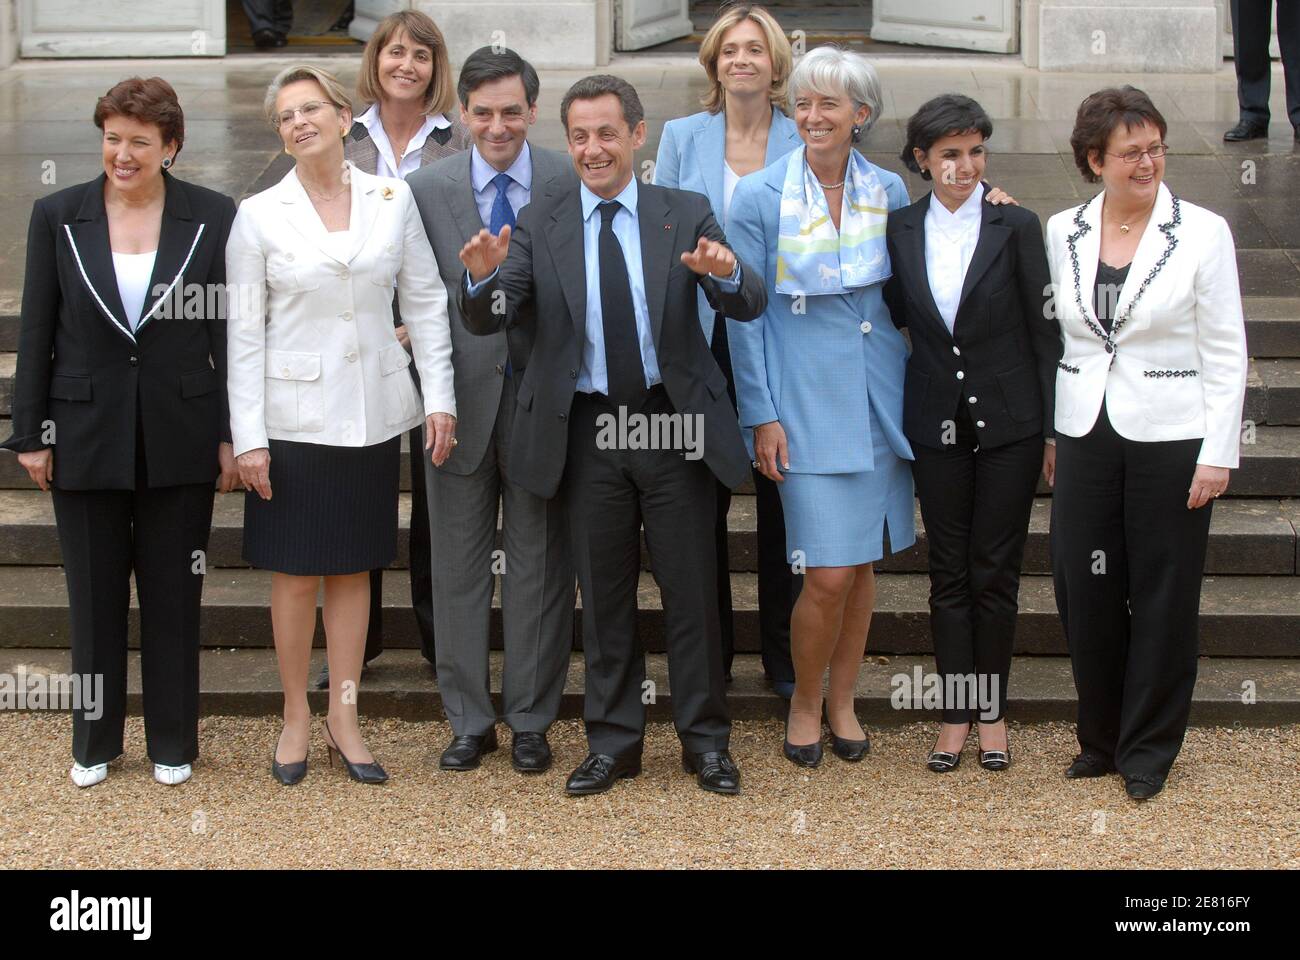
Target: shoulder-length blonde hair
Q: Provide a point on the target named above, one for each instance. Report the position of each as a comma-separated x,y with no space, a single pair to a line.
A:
778,50
441,94
302,71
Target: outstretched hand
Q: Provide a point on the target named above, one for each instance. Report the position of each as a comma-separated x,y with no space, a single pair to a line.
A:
484,253
711,257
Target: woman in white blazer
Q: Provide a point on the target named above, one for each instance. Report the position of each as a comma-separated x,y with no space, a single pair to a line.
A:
1149,395
320,394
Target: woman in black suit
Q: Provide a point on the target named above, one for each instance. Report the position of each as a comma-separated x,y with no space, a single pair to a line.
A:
121,368
971,284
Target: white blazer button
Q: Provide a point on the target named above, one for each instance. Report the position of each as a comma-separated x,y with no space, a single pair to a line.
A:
961,374
971,399
288,256
345,273
284,372
346,314
865,326
979,423
350,357
956,352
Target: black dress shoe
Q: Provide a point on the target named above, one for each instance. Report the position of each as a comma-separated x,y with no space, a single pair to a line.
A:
851,750
801,755
714,770
1142,787
1089,765
599,772
1247,130
465,753
530,753
265,39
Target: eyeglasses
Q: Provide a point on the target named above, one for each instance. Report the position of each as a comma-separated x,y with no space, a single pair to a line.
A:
1134,155
309,110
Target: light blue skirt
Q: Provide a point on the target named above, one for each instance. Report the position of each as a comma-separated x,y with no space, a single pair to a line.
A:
840,519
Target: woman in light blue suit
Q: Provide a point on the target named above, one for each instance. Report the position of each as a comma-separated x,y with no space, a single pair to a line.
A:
819,380
741,130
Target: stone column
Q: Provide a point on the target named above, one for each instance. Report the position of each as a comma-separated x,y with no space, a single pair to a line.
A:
1123,36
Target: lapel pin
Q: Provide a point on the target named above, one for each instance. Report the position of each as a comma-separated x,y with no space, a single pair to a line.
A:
386,193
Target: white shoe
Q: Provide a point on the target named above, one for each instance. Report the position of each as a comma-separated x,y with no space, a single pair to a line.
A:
88,776
171,776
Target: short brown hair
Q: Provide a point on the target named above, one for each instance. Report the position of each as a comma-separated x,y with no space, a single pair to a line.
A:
146,101
778,51
1099,115
441,95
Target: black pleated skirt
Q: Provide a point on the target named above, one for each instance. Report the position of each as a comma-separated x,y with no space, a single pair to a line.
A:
333,510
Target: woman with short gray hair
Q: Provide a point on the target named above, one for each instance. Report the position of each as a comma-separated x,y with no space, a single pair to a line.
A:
819,381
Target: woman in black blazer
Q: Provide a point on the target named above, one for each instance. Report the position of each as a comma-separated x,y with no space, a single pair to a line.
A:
121,369
970,282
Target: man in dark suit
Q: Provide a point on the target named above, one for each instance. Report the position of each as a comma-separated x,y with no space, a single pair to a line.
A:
611,267
1252,22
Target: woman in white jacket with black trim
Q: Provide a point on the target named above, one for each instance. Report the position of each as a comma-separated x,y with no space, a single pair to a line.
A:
1149,396
320,395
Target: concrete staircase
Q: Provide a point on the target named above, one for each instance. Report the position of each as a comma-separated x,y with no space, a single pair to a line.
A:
1250,608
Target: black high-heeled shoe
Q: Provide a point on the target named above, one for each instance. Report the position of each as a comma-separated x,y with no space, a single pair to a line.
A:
288,773
361,772
941,761
806,755
850,750
995,759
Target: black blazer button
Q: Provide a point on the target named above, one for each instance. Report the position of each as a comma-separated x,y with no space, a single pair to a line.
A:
573,374
1109,348
564,416
500,369
134,361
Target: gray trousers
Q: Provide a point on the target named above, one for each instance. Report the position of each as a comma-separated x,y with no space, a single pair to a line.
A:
537,590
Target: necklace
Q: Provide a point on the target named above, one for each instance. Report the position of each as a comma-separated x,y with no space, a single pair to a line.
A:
320,196
830,186
1124,227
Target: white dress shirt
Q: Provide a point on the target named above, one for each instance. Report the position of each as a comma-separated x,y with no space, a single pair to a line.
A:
950,241
729,180
389,165
518,191
133,271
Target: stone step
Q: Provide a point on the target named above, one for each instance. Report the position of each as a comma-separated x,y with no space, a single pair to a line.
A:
1270,466
1240,616
1247,537
400,684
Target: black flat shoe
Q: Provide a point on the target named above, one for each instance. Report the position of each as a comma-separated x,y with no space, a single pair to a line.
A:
941,761
1088,765
360,772
465,753
714,770
1246,130
995,759
850,750
530,753
1141,787
805,755
599,772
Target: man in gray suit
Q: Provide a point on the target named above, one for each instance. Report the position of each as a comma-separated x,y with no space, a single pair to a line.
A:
459,196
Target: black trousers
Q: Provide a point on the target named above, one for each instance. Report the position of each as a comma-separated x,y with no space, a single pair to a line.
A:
608,494
1127,557
421,571
1252,25
160,533
778,586
275,15
975,504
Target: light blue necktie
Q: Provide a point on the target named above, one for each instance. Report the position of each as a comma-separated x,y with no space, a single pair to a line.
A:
502,215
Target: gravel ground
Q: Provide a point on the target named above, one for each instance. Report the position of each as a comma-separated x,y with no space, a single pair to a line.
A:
1231,803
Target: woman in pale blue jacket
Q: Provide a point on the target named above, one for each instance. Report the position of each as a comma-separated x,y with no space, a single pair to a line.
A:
819,380
741,130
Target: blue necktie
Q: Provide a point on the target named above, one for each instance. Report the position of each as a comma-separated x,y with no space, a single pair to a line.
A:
502,215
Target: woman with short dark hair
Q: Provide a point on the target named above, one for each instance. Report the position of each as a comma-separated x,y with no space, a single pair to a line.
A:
130,389
970,283
1149,395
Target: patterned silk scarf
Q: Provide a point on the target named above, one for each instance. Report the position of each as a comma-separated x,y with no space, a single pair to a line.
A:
811,257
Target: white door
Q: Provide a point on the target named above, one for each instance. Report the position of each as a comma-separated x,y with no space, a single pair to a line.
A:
991,26
643,23
122,28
